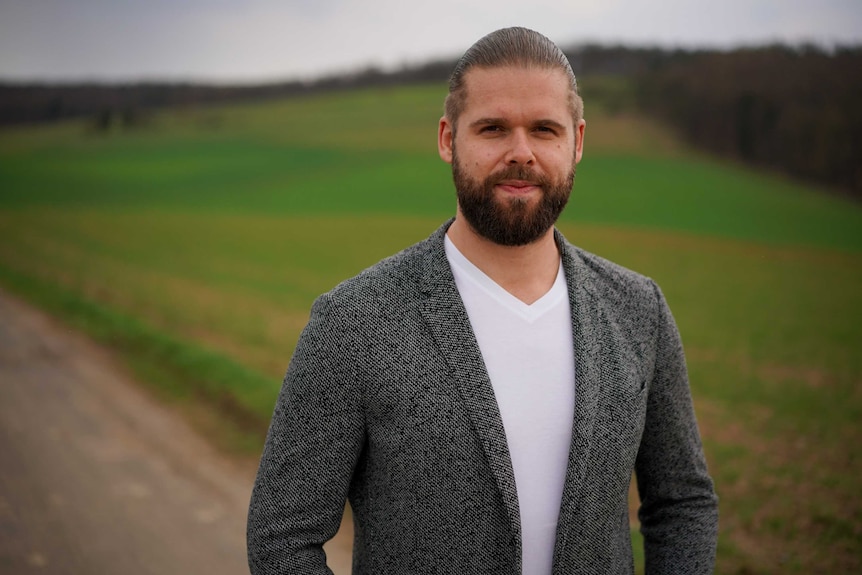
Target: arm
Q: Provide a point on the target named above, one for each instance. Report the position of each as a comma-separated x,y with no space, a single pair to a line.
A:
313,444
679,508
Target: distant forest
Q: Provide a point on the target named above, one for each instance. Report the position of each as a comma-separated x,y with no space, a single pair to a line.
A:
795,109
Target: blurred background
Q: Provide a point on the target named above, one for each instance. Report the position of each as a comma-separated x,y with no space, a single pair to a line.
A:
180,180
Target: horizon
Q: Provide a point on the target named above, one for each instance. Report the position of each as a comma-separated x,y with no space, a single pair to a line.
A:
271,41
228,83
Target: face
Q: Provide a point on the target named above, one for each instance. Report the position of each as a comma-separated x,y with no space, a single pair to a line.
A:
513,152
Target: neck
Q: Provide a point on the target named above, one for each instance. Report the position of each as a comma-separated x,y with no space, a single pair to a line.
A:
527,272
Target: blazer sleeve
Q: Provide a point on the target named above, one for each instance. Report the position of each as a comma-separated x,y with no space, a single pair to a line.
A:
314,442
679,508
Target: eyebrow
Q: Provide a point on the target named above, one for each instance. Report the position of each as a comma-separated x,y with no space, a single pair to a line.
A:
487,122
550,124
544,123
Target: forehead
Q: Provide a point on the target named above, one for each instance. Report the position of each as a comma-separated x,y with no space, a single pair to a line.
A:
517,93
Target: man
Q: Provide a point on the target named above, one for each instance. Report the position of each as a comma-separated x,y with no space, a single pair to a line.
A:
483,397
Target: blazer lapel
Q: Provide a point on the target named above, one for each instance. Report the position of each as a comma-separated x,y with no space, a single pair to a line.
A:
588,361
447,319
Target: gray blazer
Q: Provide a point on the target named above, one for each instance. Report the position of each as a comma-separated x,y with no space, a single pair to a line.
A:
387,403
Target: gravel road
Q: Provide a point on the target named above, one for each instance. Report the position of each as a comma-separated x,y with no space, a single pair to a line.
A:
98,478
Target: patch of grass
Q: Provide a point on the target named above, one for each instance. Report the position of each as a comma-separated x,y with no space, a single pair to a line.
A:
360,153
710,198
223,175
638,551
242,285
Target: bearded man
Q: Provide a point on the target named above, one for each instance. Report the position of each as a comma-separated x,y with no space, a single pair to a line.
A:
483,398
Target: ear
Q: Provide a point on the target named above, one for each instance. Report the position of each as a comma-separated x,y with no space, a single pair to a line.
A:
579,139
445,133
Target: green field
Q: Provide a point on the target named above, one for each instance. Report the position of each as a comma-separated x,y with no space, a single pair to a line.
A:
195,244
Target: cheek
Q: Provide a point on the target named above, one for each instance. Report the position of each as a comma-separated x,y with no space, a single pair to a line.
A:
482,160
564,154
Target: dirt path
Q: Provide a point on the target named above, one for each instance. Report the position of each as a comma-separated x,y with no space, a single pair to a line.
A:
96,477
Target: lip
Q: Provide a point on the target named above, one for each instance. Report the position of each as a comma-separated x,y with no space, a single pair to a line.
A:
517,187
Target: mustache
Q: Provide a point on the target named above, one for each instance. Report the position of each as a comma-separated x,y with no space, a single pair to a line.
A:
518,172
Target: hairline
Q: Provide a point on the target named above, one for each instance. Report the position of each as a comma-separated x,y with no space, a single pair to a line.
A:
457,96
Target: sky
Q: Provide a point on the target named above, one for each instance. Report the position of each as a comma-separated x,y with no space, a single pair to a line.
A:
250,41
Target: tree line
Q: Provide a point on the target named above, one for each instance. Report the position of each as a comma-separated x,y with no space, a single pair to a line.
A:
798,110
33,103
791,108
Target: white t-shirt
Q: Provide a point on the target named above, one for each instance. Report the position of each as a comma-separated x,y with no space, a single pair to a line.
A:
528,351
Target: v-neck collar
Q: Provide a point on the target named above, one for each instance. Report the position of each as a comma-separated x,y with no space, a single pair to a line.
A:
530,312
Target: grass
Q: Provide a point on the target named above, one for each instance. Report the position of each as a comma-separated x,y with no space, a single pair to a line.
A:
373,152
195,246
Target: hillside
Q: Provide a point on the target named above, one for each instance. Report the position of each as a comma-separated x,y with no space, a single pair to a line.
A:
193,245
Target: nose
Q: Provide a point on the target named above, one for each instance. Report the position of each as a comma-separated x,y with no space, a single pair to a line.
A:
520,151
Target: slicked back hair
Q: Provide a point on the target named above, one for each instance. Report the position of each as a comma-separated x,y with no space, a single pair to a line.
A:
517,47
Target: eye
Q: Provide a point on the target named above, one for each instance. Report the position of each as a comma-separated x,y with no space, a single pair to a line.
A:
491,129
545,130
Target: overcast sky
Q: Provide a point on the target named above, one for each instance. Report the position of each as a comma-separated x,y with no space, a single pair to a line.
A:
262,40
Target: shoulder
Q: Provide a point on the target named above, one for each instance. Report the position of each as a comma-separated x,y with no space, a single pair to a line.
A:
605,278
391,284
623,296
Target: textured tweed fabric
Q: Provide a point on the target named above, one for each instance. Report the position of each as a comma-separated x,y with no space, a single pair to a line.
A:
387,403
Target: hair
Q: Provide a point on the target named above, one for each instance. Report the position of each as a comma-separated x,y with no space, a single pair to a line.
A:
510,47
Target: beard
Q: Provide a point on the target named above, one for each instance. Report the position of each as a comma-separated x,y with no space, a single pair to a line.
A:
511,221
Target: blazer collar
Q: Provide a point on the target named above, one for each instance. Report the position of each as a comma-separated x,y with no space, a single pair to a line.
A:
586,327
447,320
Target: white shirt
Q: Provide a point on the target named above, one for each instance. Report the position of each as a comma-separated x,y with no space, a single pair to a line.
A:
528,352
